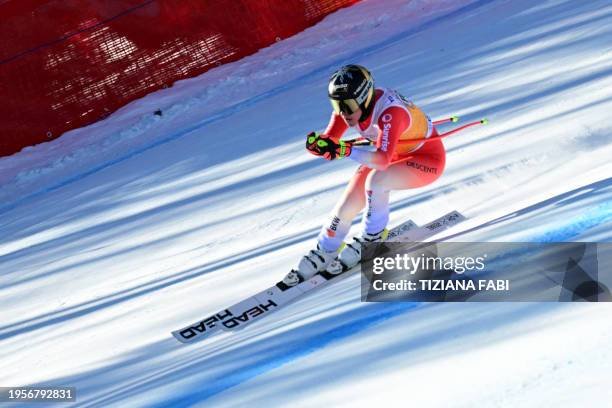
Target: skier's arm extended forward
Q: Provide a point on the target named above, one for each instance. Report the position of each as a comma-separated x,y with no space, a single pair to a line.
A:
392,122
336,127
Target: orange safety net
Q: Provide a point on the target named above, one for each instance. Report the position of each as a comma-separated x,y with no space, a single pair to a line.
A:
67,63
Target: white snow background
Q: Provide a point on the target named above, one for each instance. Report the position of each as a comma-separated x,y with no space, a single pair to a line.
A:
118,233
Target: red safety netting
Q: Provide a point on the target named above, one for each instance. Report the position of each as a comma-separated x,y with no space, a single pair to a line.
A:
68,63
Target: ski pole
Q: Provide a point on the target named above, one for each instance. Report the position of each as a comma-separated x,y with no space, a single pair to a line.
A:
403,159
453,119
446,134
443,135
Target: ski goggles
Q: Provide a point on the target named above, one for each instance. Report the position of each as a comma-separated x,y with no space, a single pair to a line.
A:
348,106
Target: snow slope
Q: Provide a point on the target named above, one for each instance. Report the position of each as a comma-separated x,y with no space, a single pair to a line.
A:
118,233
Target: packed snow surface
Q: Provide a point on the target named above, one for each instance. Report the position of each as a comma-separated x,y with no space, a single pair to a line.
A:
118,233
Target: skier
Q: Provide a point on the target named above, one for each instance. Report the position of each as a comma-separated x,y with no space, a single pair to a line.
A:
389,121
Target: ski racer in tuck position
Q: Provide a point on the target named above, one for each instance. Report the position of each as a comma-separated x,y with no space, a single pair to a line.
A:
391,123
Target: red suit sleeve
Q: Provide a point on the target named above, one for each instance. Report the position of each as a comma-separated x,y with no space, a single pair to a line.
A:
336,127
392,122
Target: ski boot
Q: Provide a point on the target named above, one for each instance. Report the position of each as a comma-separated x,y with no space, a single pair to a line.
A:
351,255
317,260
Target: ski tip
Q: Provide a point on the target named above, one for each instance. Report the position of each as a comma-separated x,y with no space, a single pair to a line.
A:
484,121
454,119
